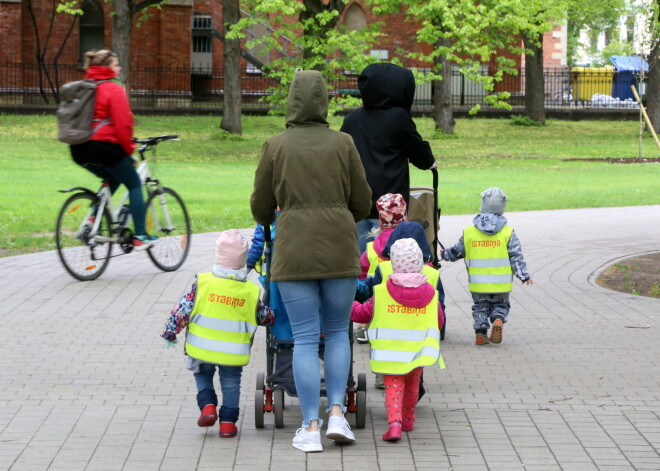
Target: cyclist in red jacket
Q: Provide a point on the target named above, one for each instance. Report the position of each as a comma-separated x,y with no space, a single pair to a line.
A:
108,153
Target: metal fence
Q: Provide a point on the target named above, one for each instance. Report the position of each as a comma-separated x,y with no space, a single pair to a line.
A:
177,88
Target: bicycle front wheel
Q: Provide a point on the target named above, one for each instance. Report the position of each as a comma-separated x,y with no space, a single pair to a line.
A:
85,255
167,218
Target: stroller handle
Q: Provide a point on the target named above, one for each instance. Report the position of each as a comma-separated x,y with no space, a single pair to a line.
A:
267,236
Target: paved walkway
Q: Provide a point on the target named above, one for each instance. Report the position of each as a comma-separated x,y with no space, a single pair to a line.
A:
85,383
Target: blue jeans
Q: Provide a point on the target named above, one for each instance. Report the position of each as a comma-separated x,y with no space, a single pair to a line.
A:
124,172
364,227
230,385
308,303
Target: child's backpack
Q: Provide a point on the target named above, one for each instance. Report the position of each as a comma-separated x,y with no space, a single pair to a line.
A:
75,113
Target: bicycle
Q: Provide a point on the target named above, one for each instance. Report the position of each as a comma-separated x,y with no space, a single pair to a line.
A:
88,224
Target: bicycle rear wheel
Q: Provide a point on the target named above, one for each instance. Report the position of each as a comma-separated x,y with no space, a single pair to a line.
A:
83,256
167,218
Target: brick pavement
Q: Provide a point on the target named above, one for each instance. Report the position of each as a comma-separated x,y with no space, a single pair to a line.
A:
85,383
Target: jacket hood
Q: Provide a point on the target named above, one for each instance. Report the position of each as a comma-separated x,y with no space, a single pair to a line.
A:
99,72
381,241
385,85
489,223
307,104
412,230
412,297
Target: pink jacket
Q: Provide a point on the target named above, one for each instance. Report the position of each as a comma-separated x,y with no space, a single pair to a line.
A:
419,296
379,245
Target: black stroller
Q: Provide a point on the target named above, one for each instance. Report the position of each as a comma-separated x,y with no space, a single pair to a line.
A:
278,379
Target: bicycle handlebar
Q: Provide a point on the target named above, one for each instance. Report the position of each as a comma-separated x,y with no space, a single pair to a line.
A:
152,141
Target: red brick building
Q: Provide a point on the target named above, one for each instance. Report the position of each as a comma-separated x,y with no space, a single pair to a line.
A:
177,49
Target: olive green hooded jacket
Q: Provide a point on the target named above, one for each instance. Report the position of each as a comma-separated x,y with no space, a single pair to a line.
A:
315,176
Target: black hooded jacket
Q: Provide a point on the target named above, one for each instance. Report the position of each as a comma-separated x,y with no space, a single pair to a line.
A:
384,133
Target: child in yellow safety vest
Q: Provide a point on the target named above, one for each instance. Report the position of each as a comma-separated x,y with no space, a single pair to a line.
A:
406,317
222,311
391,211
492,254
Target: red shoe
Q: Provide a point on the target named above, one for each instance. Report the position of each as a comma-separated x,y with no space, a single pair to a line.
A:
209,416
407,425
393,433
228,429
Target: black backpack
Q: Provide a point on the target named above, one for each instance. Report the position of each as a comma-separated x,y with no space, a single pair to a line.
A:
75,113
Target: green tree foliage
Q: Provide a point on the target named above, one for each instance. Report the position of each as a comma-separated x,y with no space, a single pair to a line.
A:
464,32
592,16
319,41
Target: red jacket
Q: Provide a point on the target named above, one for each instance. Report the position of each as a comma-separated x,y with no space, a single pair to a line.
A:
413,297
112,102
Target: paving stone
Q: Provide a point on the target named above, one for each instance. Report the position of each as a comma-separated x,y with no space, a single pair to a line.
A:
566,389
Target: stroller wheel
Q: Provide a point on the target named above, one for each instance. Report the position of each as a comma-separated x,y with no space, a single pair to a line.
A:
362,382
259,401
278,405
361,413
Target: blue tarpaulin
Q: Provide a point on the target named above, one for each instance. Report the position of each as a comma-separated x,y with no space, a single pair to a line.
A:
626,66
629,63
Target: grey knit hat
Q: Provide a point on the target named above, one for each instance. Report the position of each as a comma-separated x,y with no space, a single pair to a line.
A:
493,200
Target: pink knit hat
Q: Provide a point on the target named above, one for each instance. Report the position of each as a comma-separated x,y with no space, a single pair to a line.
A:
406,256
231,250
391,210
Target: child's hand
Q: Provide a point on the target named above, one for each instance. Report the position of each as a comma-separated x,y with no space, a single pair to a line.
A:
170,343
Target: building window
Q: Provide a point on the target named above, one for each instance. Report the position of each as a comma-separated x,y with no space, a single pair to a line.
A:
92,27
355,20
202,44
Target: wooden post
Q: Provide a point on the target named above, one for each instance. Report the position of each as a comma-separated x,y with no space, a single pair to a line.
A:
646,117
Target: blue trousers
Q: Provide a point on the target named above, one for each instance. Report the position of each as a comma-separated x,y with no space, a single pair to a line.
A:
124,173
230,385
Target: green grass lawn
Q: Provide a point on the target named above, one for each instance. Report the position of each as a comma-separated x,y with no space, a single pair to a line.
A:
213,171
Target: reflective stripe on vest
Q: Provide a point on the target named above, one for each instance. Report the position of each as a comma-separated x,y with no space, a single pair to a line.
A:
222,322
374,259
403,338
431,273
487,260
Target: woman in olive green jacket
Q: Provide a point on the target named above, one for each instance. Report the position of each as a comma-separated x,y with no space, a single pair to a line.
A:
315,176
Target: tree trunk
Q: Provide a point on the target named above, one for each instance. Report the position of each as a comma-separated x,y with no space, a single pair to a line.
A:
122,27
534,80
653,83
443,113
231,112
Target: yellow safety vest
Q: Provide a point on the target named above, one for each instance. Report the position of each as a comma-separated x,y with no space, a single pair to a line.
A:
487,260
223,321
403,338
374,259
431,273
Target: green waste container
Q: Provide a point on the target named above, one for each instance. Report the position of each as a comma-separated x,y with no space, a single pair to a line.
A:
587,81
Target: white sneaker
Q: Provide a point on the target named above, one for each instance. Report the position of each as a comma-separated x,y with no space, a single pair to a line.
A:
339,430
307,441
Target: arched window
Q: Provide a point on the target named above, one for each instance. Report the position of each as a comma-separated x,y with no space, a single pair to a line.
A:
92,27
355,20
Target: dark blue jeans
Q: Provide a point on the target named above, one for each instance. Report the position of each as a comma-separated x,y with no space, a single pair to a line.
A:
124,173
230,385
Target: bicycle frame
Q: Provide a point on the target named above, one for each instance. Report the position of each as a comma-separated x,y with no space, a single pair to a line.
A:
105,201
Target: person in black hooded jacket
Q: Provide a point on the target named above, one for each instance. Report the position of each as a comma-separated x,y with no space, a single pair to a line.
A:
386,136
